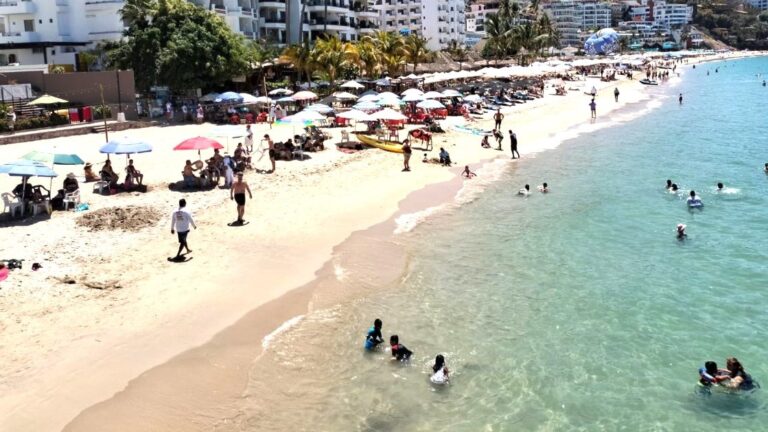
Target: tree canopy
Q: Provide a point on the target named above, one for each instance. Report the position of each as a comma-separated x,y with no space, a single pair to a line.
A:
175,43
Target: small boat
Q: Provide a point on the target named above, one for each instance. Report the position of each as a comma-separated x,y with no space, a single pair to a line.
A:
390,146
647,81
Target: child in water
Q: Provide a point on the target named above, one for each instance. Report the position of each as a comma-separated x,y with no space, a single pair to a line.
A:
467,173
374,338
681,235
544,188
524,191
439,371
399,351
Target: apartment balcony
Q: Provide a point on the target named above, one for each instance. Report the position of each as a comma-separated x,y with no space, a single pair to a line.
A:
26,37
17,7
334,6
272,4
315,25
103,5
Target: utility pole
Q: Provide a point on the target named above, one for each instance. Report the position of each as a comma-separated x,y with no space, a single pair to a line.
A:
104,113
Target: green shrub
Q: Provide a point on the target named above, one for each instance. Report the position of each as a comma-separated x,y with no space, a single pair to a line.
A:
102,111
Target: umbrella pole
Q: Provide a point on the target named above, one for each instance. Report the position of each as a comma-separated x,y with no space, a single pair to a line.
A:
23,194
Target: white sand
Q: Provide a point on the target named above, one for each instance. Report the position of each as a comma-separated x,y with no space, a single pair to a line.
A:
66,346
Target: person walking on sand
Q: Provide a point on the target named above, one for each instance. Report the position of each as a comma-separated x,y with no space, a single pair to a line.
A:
498,117
237,193
407,155
180,222
271,149
616,94
513,144
593,108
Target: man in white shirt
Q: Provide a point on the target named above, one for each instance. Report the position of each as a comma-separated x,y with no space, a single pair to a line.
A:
180,222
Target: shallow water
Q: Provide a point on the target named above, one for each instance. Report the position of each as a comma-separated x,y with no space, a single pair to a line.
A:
577,310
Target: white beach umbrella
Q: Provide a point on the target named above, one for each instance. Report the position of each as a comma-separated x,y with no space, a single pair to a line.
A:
413,97
249,99
433,95
304,95
367,106
388,95
388,114
390,101
344,96
264,100
429,104
352,84
411,91
370,92
356,115
280,92
321,108
473,98
451,93
286,99
368,98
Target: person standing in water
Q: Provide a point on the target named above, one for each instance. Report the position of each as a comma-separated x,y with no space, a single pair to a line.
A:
439,371
513,144
669,184
681,235
374,337
693,200
680,99
467,173
616,94
525,191
719,187
593,108
237,193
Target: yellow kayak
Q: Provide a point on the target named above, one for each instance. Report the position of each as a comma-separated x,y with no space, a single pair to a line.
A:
390,146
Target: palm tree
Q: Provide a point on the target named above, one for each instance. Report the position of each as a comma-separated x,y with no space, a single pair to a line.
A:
547,34
331,56
415,50
301,58
368,57
136,12
390,46
458,52
498,36
508,11
526,38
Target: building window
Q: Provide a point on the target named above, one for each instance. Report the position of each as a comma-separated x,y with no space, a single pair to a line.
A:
11,58
29,26
38,50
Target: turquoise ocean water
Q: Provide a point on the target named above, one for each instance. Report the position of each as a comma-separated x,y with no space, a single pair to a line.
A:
572,311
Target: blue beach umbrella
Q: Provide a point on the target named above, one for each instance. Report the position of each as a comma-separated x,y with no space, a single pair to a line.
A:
603,41
125,146
54,158
229,97
25,169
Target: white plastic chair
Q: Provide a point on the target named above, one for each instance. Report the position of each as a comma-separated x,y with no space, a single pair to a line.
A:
71,198
100,186
12,203
42,206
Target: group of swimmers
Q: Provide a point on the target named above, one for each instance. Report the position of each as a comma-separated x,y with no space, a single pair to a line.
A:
526,190
400,353
732,377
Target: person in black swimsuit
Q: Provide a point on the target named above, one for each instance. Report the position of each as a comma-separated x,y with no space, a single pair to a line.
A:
237,193
399,351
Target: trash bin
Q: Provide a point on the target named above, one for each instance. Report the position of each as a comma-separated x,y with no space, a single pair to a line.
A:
74,116
87,114
121,117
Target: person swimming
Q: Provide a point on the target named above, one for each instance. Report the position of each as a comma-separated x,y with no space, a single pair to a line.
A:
694,201
737,377
766,167
719,187
681,235
439,371
374,337
669,184
525,191
543,188
399,351
710,375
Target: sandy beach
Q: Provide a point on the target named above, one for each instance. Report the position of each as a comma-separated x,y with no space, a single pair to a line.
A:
109,321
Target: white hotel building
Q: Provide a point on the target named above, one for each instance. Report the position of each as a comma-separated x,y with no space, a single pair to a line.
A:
52,31
439,21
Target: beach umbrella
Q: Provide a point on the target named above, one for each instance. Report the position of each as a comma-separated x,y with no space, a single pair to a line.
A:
473,98
304,117
366,106
47,99
210,97
352,85
280,92
304,95
356,115
249,99
368,98
286,99
390,102
433,95
198,143
384,82
388,95
370,92
321,108
413,97
25,169
344,96
54,158
229,97
451,93
263,100
412,91
388,114
126,146
430,104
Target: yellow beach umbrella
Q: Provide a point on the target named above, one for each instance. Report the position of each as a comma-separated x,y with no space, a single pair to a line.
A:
47,100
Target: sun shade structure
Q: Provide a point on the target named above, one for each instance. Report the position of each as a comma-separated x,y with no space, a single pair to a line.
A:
198,143
53,158
48,100
125,146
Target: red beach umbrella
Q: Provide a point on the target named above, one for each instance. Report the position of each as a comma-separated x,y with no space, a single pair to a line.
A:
198,143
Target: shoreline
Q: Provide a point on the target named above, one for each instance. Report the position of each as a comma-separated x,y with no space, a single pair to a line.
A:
183,330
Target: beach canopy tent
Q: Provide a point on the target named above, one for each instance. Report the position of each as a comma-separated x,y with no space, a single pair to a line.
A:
388,95
198,143
286,99
304,95
321,108
370,92
249,99
413,97
344,96
352,85
388,114
430,104
384,82
25,169
210,97
280,92
47,99
53,158
229,97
